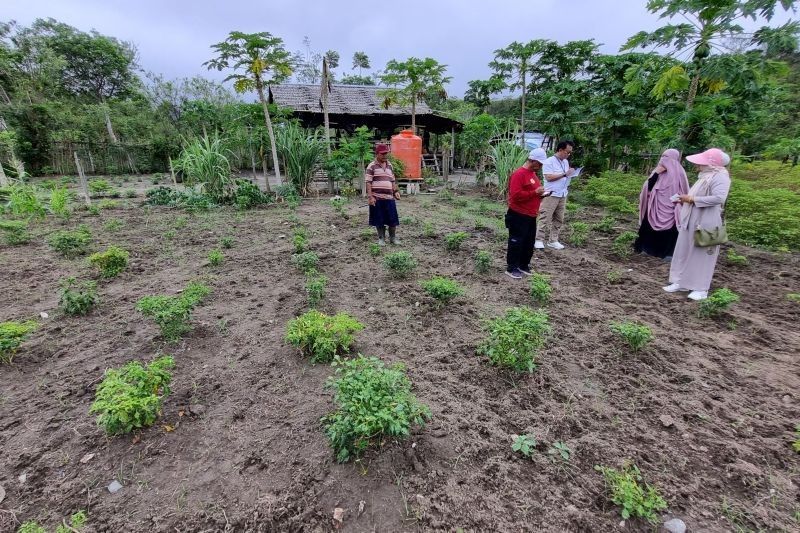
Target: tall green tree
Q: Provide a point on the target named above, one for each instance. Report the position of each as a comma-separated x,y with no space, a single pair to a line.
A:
480,91
412,80
257,59
360,61
513,64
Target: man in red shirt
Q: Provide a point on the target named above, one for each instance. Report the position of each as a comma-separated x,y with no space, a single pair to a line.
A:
525,192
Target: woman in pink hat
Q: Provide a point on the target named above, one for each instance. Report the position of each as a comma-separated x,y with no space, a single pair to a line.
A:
693,266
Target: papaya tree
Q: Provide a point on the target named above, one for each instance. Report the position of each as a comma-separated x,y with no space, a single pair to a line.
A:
257,60
412,80
513,64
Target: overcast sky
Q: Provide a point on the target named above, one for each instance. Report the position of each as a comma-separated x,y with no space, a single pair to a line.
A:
173,36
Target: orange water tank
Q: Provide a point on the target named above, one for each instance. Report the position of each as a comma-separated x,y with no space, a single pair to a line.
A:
407,147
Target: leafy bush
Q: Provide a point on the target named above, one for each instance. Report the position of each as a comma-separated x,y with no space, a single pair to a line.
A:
98,186
428,231
717,302
226,242
113,225
12,334
248,195
540,288
15,231
163,196
735,259
453,241
77,298
578,233
623,245
400,264
606,225
506,157
299,240
172,313
71,243
111,262
375,249
301,151
322,337
442,289
338,203
375,402
315,288
130,398
204,161
107,204
483,261
637,500
637,336
59,202
129,193
306,261
524,444
23,201
514,339
215,257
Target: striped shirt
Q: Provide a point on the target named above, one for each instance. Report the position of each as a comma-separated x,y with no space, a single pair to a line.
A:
382,179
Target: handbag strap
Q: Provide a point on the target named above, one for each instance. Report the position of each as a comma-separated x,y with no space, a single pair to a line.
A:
708,193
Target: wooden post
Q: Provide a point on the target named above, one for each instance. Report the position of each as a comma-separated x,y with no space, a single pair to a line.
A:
172,172
325,92
3,177
446,163
91,162
82,176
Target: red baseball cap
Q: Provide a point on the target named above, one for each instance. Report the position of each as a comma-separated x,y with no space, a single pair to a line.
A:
381,148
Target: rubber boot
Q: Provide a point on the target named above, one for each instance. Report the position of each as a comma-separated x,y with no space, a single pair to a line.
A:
381,235
392,237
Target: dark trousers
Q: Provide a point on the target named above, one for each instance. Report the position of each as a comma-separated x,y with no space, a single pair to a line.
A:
521,234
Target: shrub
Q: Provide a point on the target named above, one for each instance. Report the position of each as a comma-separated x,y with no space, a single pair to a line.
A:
299,240
717,302
12,334
129,193
375,249
375,402
483,261
172,313
215,257
623,245
15,231
578,233
637,336
427,230
606,225
204,162
338,203
453,241
615,276
107,204
306,261
98,186
524,444
617,204
400,264
248,195
93,211
442,289
130,398
514,339
315,288
636,500
77,298
407,220
322,337
59,202
735,259
226,242
540,288
111,262
23,201
71,243
113,225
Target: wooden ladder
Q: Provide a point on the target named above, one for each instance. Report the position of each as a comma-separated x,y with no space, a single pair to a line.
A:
430,161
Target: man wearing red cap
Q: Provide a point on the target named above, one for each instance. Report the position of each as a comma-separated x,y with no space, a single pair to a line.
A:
382,192
525,192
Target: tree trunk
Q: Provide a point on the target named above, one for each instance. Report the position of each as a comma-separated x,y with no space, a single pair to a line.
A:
522,114
266,169
111,135
414,114
260,89
693,90
363,178
82,176
3,177
325,87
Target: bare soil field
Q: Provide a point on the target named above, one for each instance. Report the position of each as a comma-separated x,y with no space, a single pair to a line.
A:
707,411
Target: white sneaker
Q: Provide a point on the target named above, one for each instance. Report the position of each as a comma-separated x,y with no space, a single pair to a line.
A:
555,245
673,288
698,295
539,245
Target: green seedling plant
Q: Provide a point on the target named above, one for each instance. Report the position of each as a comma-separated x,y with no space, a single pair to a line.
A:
606,225
623,245
113,225
226,242
407,220
77,298
306,261
578,233
107,204
23,202
614,277
524,444
322,337
540,288
793,297
71,243
215,257
59,202
514,339
12,335
375,249
717,302
453,241
483,261
796,443
300,240
315,289
443,290
16,231
736,259
98,186
367,234
93,210
636,498
560,449
111,262
338,203
130,397
374,403
76,523
400,264
173,313
31,526
428,231
635,335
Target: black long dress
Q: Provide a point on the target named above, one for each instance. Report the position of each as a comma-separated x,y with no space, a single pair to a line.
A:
651,242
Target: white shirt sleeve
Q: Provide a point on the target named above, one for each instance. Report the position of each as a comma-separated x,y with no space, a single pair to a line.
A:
553,165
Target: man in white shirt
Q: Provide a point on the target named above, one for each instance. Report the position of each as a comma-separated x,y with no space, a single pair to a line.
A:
551,214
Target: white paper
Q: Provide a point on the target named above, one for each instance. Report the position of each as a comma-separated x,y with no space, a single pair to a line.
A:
575,172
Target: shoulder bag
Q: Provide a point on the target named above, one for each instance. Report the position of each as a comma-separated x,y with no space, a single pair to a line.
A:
715,236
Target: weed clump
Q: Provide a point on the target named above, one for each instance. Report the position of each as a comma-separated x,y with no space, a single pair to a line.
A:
637,499
315,288
72,243
623,245
400,264
12,334
515,338
483,261
442,289
322,337
306,261
735,259
77,298
453,241
215,257
717,302
172,313
16,231
299,240
375,403
524,444
111,262
130,398
540,288
637,336
578,233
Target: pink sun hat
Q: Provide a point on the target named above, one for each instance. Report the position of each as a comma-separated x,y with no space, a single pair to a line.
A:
713,157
